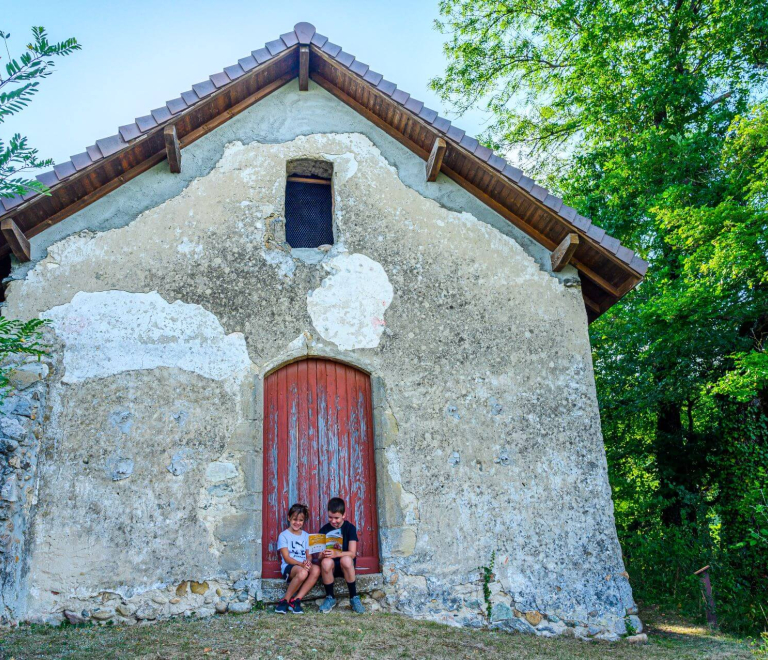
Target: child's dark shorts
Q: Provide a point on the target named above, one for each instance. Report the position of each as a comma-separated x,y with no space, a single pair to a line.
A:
287,572
337,572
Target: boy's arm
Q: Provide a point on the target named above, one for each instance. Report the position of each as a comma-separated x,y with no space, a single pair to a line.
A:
351,552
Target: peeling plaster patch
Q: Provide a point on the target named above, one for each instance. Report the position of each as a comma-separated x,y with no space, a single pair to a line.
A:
110,332
348,308
344,166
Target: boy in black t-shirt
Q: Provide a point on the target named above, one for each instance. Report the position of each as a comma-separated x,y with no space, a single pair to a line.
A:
340,562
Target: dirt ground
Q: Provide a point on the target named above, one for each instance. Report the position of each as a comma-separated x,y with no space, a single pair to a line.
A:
341,634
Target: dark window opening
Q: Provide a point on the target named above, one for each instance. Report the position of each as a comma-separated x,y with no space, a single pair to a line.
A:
308,209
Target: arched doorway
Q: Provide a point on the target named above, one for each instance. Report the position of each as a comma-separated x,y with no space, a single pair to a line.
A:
318,444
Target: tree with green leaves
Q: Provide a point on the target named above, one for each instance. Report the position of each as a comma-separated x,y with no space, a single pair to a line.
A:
649,116
20,84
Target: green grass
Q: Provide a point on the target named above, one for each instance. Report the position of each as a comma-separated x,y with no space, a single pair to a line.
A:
344,635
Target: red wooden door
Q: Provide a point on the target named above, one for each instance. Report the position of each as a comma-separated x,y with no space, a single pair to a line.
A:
318,444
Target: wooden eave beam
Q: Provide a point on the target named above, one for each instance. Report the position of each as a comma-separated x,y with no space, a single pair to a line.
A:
303,68
172,148
435,161
563,252
16,239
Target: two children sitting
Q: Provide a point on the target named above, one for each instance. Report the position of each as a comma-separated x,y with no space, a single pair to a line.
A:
297,567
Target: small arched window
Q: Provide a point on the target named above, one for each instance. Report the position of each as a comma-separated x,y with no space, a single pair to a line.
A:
309,204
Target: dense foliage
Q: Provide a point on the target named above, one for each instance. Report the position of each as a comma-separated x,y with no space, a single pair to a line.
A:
20,84
650,117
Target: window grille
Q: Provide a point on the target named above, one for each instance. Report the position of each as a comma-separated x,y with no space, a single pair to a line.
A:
308,212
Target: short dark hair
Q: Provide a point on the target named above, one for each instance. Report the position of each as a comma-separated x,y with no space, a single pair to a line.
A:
336,505
298,509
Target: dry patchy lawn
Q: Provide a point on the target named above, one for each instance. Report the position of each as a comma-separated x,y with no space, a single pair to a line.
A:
343,635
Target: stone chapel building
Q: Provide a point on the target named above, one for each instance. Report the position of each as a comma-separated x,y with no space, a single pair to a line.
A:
292,282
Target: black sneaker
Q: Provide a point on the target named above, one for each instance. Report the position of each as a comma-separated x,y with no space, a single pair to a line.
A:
282,607
295,606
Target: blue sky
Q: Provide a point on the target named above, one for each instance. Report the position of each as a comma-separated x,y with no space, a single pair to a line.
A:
138,54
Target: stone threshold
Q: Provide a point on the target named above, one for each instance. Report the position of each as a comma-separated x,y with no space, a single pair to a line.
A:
272,590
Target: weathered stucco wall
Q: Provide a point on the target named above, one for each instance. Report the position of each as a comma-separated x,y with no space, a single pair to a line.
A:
174,295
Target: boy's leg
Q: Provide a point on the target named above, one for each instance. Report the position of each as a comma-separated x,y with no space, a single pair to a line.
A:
314,573
348,569
326,567
298,576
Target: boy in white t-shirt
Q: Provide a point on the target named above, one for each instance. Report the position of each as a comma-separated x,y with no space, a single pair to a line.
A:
296,566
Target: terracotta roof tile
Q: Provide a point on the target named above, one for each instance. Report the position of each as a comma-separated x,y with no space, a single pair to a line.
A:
514,174
319,40
94,152
553,202
112,144
190,98
175,106
373,77
65,169
582,223
203,89
414,105
596,233
610,243
526,183
145,123
359,68
386,87
399,96
247,63
455,133
289,39
428,114
275,47
304,32
483,153
441,124
219,79
160,115
567,212
469,143
331,49
344,58
261,55
235,70
12,202
130,131
640,265
625,254
81,161
48,178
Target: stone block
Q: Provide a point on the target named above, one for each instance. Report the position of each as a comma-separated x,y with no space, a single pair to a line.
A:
199,588
27,375
240,607
251,465
238,527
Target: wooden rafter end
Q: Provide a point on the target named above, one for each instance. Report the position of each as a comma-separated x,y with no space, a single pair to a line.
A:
435,161
16,239
172,148
563,252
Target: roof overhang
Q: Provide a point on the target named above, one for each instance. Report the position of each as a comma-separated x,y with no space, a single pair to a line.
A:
608,269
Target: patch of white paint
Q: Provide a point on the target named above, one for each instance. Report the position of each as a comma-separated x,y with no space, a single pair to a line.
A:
109,332
220,471
348,308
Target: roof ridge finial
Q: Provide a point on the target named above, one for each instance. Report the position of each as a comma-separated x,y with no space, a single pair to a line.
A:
304,32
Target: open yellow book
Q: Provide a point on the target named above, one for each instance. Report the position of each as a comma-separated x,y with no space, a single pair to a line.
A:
320,542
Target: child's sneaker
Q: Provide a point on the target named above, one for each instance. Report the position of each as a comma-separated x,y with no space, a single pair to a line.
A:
356,605
282,607
295,606
328,604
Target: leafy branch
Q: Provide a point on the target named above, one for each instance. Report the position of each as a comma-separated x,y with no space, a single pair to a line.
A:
20,84
20,338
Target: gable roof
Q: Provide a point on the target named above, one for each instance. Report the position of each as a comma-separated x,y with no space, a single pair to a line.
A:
608,269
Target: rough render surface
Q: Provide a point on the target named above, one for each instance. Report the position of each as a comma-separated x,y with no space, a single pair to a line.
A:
487,427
